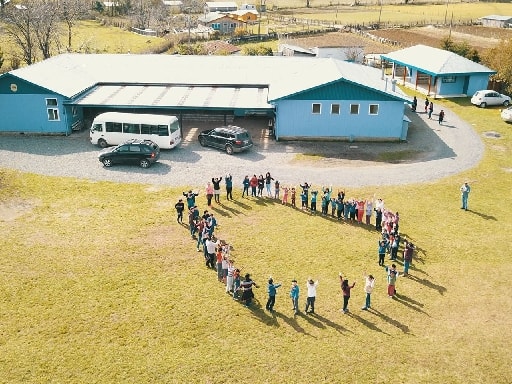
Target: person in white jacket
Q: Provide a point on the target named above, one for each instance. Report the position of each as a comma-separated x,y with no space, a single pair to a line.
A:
369,283
310,301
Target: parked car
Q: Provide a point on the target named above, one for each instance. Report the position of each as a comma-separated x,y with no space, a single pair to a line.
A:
489,97
506,114
230,139
136,151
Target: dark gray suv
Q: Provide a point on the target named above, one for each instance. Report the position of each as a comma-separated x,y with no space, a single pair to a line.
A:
229,138
141,152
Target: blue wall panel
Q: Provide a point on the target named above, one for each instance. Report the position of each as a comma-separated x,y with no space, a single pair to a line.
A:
28,113
295,119
477,83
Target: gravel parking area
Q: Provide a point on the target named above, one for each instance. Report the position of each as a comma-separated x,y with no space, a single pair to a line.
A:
431,152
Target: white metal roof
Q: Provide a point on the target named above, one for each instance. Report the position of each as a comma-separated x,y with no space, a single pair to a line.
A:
72,74
177,96
135,118
435,61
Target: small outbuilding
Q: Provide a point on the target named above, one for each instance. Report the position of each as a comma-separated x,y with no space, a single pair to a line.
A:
496,21
436,72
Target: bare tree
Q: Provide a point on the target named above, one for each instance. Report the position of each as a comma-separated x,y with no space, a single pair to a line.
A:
70,11
46,24
142,14
20,28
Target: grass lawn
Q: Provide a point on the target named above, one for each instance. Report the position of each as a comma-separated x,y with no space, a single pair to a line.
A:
100,284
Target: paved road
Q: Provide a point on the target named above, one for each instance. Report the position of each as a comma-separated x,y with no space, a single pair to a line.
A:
440,151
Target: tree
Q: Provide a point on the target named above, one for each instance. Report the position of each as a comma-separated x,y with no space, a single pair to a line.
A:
46,24
499,59
19,27
70,11
258,50
142,14
1,58
462,49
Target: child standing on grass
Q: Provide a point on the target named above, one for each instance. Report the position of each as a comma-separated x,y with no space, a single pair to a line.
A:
236,284
392,276
272,290
345,289
276,189
294,295
369,284
293,193
285,195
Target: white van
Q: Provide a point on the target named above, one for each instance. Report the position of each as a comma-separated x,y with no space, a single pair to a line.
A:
113,128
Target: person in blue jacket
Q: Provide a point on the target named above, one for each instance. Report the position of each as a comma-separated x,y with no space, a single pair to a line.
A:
272,290
294,295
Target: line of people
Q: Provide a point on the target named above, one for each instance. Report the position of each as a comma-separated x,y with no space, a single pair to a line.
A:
217,253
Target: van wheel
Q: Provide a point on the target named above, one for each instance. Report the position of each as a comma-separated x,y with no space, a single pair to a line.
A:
102,143
145,163
107,162
229,149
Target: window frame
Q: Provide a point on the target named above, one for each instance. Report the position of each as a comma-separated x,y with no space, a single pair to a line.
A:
319,108
358,109
370,109
332,109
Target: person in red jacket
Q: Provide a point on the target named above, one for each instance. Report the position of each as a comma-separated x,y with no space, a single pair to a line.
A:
345,289
254,184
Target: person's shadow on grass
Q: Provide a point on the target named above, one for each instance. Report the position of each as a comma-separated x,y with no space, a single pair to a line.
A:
428,283
482,215
365,322
404,328
328,323
410,303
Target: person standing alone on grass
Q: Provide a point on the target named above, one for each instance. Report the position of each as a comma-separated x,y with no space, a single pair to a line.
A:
272,290
180,207
464,190
369,283
310,300
294,295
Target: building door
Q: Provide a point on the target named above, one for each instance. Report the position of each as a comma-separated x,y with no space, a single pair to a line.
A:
466,85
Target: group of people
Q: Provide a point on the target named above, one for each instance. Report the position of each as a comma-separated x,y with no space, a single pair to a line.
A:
217,252
429,109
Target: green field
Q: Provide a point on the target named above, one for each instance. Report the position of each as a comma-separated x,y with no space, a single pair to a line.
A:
100,284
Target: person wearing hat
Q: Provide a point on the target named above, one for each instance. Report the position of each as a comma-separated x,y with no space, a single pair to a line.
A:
180,207
310,300
246,287
294,295
272,290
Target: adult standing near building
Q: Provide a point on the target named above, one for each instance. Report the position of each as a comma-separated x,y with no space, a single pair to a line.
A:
414,104
441,117
229,186
272,291
310,300
464,191
246,287
294,295
430,110
180,207
216,188
427,103
369,284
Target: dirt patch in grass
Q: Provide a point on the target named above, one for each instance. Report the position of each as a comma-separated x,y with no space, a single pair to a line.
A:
12,209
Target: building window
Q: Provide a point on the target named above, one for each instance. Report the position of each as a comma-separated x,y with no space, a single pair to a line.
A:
354,109
335,109
53,114
316,108
74,111
216,26
449,79
374,109
51,102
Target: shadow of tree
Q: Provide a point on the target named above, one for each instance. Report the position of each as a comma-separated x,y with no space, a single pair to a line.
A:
404,328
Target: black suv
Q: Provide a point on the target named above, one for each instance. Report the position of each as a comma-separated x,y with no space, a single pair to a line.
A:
230,139
142,152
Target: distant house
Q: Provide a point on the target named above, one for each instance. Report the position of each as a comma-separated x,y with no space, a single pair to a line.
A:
245,16
173,5
219,47
220,22
437,72
349,53
342,101
496,21
220,6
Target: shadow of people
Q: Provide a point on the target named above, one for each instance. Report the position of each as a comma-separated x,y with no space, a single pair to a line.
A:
428,283
482,215
410,303
404,328
366,322
328,323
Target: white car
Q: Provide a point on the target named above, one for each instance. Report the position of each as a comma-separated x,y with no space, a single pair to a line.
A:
506,114
489,97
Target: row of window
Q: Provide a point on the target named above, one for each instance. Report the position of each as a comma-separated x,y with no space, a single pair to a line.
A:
316,109
216,26
145,129
52,110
